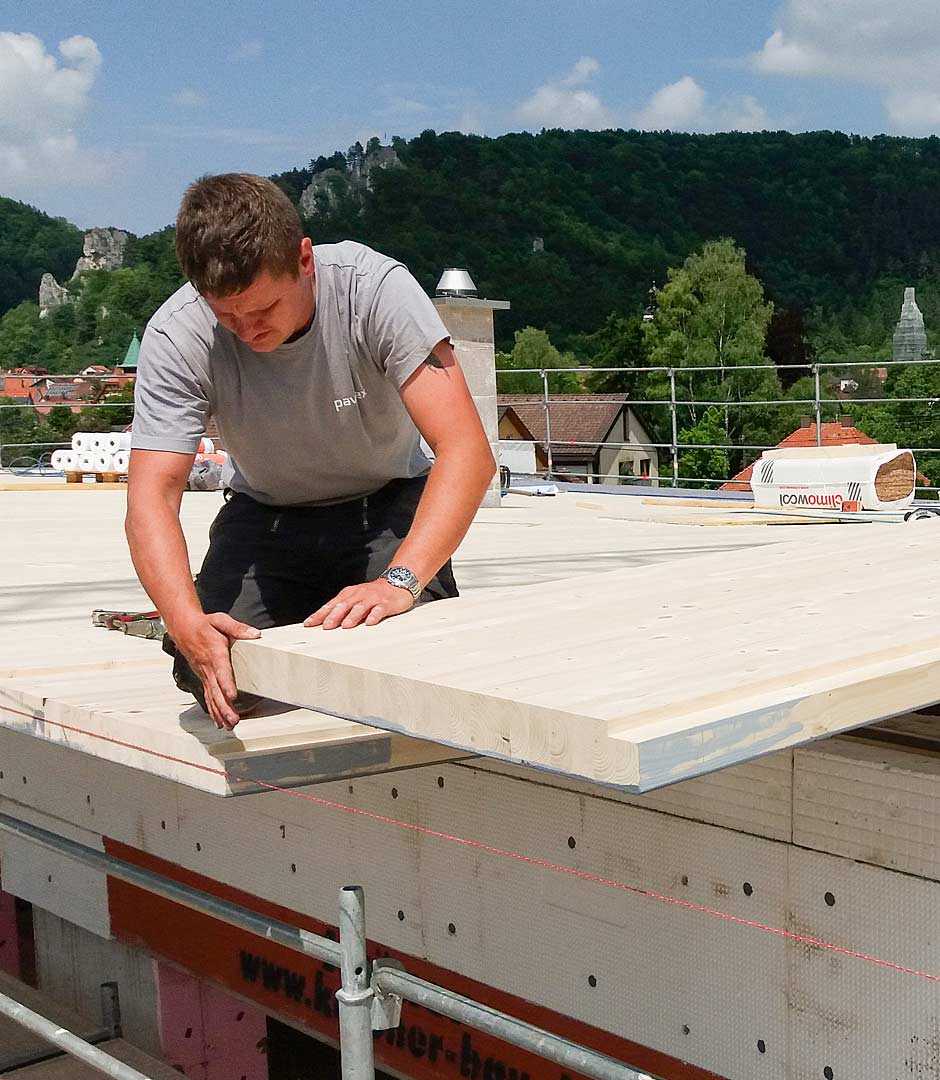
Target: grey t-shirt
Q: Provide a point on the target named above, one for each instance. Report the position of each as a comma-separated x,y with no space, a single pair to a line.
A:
319,419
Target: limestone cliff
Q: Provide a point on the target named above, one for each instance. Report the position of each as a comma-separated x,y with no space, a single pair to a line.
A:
103,250
328,186
51,295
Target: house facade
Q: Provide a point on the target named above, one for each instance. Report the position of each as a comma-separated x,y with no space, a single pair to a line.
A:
594,438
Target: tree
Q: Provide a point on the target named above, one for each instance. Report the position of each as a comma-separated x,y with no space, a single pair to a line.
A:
20,433
707,462
710,327
116,411
910,424
620,342
533,349
31,244
21,335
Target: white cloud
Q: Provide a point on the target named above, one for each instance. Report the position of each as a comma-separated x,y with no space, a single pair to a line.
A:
783,56
742,113
914,110
565,102
405,106
471,121
187,98
247,50
679,106
41,97
894,48
685,106
585,69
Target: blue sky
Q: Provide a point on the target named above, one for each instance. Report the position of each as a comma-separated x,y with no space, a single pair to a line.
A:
107,110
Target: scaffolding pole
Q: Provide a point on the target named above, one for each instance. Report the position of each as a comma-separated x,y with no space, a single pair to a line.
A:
356,994
68,1041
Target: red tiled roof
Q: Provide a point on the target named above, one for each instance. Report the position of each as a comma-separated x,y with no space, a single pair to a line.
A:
575,418
831,435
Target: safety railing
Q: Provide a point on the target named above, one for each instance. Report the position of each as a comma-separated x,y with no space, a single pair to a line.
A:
664,453
818,408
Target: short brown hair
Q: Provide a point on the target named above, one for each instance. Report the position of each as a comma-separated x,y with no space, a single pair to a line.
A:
231,227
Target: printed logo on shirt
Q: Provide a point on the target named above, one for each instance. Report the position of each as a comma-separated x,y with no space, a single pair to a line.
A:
341,403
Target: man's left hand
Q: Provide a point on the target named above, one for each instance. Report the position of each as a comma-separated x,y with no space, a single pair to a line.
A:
365,604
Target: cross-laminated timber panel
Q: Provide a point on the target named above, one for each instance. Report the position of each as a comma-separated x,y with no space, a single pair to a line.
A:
133,715
642,677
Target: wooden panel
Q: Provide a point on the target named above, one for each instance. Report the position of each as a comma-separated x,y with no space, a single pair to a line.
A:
135,716
641,678
875,803
754,797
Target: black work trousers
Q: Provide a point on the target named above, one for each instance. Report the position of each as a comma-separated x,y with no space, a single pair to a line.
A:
275,565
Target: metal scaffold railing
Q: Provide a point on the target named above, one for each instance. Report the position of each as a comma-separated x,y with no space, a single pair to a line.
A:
370,997
670,444
67,1041
33,453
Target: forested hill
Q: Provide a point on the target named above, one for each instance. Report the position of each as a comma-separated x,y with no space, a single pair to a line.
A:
823,216
569,226
32,243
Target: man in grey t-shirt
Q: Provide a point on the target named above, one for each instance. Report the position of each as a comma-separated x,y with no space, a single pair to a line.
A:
321,368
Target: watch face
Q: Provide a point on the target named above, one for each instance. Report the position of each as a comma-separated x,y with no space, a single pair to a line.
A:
403,578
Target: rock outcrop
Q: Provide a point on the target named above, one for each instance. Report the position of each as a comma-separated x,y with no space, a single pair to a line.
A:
327,187
51,295
103,250
323,192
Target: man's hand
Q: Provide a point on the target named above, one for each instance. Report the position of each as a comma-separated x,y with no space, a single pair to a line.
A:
368,604
205,641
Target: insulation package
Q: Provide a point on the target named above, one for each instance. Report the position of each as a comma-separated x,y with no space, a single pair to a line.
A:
118,440
64,460
877,476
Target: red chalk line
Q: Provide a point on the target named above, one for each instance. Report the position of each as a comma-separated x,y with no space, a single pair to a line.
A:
490,849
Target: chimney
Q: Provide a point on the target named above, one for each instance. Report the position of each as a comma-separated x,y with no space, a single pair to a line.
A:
806,421
456,281
469,321
846,420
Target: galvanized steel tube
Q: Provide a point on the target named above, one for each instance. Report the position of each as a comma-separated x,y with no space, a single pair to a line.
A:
570,1055
356,994
67,1041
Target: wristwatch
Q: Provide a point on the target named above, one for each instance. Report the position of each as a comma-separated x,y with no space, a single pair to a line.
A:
402,578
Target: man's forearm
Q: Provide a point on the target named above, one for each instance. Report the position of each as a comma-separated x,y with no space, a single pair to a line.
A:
158,550
456,485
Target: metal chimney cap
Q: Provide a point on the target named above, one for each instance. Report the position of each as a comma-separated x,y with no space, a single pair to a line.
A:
456,281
